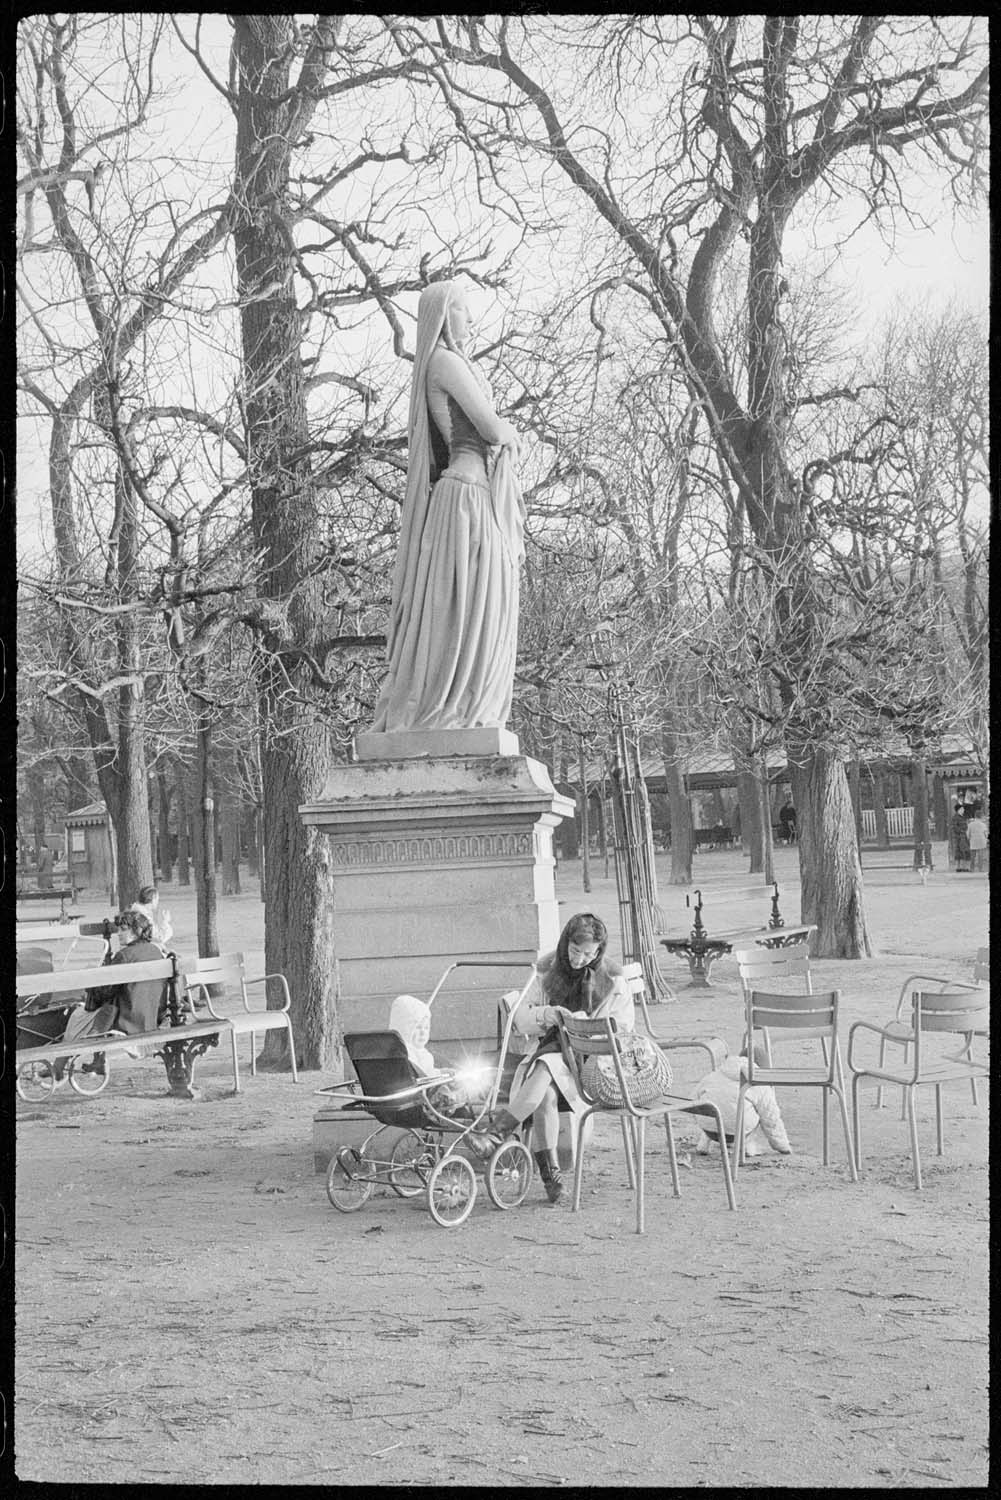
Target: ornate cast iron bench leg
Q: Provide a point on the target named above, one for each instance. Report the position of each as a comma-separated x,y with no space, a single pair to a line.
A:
179,1061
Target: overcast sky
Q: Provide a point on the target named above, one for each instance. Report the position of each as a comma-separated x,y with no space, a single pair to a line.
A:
947,260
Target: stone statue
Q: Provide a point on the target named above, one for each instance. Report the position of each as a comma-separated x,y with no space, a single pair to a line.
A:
453,622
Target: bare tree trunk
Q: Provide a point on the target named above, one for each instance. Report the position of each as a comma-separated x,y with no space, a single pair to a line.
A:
182,812
36,792
831,875
879,808
765,819
203,841
229,822
750,820
131,793
855,789
166,861
681,813
922,826
249,812
585,820
299,921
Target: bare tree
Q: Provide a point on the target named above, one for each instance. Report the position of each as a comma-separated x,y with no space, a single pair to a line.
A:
767,116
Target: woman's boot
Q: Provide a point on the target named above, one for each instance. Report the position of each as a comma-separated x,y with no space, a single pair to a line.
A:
549,1171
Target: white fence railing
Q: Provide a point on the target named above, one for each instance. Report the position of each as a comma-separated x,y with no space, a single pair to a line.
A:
899,822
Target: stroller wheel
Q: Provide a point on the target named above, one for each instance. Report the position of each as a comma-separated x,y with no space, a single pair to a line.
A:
35,1081
86,1075
509,1174
405,1161
451,1191
345,1189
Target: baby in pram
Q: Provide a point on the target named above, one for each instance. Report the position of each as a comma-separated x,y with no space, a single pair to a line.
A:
460,1099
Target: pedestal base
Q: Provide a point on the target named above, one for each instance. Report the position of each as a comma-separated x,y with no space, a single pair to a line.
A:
438,860
417,744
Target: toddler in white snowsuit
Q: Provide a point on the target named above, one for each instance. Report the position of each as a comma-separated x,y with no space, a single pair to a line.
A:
763,1125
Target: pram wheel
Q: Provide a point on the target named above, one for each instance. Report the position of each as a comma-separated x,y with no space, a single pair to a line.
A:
404,1173
35,1082
509,1174
451,1191
84,1077
345,1190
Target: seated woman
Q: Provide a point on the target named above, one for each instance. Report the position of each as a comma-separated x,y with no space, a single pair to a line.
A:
123,1007
581,981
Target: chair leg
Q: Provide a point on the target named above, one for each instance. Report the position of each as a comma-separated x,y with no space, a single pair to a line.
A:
253,1054
724,1157
629,1147
640,1126
291,1053
881,1065
578,1165
825,1128
236,1064
939,1137
856,1122
672,1157
852,1169
738,1132
904,1096
915,1149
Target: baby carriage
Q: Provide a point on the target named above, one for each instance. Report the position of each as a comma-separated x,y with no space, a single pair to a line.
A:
427,1157
42,1021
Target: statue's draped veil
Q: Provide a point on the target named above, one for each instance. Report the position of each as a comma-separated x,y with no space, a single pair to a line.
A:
432,325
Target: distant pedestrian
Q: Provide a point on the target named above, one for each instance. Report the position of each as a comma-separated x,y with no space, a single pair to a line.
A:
148,904
959,843
787,821
976,833
46,862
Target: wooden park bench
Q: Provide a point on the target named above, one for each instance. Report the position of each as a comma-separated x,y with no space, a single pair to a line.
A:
721,836
60,893
179,1041
702,951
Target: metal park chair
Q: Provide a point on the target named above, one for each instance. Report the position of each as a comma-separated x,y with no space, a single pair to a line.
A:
959,1012
801,1017
599,1038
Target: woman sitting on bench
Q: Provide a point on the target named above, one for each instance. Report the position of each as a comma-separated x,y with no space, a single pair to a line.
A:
123,1007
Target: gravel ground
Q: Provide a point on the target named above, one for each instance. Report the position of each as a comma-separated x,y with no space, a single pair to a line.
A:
191,1309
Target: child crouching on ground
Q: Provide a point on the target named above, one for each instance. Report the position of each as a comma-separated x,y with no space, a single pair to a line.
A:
763,1125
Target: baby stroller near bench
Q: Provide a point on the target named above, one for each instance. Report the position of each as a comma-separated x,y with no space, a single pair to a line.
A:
427,1157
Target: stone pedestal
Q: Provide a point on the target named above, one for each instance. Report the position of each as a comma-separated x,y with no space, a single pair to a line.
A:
438,857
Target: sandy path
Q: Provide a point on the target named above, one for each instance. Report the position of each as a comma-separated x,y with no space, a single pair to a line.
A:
190,1308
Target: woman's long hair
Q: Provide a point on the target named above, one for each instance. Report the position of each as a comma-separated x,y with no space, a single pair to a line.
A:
579,989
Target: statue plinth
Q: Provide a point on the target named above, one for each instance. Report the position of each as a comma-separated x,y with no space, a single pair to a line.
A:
438,858
415,744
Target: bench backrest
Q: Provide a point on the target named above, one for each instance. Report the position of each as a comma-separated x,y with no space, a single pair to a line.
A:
729,892
45,932
29,985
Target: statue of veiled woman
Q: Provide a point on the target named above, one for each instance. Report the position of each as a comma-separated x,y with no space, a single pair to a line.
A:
453,622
